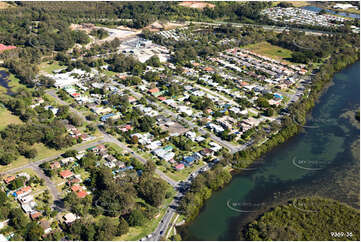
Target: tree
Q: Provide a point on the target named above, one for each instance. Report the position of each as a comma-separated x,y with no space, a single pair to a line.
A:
154,61
153,190
17,183
31,153
136,218
63,111
80,37
17,219
149,168
3,198
33,231
88,160
75,119
135,139
106,229
269,112
70,153
123,227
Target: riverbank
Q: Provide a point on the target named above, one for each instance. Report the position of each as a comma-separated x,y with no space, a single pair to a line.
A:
305,104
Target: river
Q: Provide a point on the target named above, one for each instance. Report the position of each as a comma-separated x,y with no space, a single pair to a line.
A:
307,164
4,82
342,14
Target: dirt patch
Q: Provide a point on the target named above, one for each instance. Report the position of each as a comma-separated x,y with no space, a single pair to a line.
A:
87,27
175,128
4,5
198,5
121,32
159,26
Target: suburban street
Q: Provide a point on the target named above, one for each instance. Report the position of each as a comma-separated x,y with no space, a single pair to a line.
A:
232,148
53,94
111,139
218,95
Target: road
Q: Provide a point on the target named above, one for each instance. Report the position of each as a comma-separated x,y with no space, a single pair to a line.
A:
162,228
52,93
217,95
110,138
266,27
232,148
58,203
39,162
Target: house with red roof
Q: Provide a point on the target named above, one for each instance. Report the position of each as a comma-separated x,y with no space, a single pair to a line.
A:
9,179
179,167
35,215
126,128
81,194
8,47
101,147
131,99
209,69
154,90
66,174
73,181
76,188
23,191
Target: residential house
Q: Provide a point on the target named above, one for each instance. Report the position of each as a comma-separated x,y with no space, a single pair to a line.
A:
69,218
65,161
35,215
206,152
45,225
179,167
22,192
66,174
55,165
9,179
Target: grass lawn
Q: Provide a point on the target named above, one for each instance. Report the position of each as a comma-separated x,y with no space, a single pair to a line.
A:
7,118
43,152
50,99
183,174
298,4
49,68
272,51
109,73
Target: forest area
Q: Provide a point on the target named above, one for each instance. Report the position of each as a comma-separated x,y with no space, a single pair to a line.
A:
309,218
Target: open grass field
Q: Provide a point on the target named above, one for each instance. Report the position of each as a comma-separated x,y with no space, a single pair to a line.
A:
299,4
272,51
7,118
47,68
43,152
